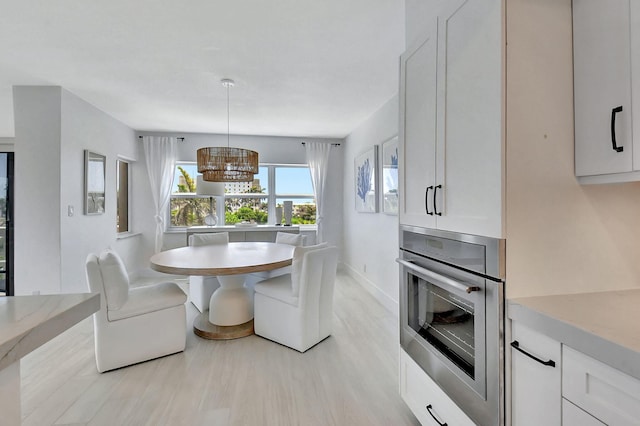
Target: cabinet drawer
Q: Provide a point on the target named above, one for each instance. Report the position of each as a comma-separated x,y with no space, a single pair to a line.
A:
574,416
419,391
604,392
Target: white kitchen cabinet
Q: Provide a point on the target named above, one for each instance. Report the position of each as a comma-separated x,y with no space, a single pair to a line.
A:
577,390
606,393
535,387
606,39
430,405
451,128
574,416
418,131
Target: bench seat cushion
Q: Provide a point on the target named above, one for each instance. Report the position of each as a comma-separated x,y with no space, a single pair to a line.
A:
147,299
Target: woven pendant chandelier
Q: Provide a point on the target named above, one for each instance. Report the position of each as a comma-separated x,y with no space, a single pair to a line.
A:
226,164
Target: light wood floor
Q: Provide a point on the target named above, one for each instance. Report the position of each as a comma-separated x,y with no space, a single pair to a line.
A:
351,378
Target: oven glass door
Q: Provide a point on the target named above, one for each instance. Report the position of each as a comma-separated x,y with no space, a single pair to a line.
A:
446,314
445,320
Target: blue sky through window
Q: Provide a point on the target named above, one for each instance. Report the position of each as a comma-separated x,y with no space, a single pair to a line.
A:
293,180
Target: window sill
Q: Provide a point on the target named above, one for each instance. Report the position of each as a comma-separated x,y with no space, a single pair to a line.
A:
176,231
300,227
125,235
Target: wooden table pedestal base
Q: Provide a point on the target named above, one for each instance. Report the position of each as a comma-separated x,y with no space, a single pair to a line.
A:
203,328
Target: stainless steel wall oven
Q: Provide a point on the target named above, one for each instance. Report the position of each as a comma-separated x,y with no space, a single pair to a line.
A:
452,315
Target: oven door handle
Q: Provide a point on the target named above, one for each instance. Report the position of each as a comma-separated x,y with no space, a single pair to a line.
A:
440,278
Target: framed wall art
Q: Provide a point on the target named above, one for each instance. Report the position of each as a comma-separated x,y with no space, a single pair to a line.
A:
94,182
390,176
365,174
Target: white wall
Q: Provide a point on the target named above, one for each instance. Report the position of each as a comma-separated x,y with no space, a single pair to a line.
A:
37,264
53,127
86,127
371,239
271,149
7,144
562,237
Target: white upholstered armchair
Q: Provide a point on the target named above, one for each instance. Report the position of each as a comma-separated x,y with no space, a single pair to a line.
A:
296,309
133,324
201,288
291,239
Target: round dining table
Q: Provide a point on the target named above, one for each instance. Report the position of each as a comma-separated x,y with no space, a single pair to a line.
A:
230,312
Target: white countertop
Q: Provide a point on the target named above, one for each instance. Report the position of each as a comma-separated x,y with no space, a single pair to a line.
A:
604,325
27,322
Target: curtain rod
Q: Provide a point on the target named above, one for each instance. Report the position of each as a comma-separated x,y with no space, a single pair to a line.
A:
334,144
180,139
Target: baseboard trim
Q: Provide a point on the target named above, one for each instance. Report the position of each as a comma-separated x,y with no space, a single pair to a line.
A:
384,299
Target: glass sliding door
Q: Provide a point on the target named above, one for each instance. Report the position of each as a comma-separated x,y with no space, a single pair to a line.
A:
6,223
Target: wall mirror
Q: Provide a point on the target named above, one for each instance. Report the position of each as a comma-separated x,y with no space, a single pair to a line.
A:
94,182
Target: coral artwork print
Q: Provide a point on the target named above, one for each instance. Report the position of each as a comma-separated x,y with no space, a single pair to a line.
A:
365,181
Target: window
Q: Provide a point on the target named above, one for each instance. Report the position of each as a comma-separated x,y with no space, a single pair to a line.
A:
248,201
244,201
294,183
187,208
122,188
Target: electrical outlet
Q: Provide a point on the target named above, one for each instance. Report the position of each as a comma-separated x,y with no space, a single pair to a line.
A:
70,210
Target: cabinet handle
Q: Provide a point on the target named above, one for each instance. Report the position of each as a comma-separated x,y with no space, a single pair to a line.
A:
426,200
429,407
613,129
515,345
435,207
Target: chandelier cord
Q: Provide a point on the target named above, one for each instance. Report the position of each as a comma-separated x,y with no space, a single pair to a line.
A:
228,127
218,164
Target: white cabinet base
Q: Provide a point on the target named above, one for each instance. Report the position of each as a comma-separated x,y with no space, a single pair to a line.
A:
575,416
608,394
10,394
419,391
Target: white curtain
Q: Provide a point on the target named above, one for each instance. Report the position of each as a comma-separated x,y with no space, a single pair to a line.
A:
318,160
160,156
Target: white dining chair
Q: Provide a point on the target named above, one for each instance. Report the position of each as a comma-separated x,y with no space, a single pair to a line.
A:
133,324
288,238
202,287
296,309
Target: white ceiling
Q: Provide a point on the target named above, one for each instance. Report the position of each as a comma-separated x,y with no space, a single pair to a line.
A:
301,67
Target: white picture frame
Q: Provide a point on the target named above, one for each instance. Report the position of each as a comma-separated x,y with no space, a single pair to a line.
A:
365,184
94,182
389,193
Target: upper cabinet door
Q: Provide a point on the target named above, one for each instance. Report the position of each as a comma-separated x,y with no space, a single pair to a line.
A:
602,87
635,74
418,132
470,127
